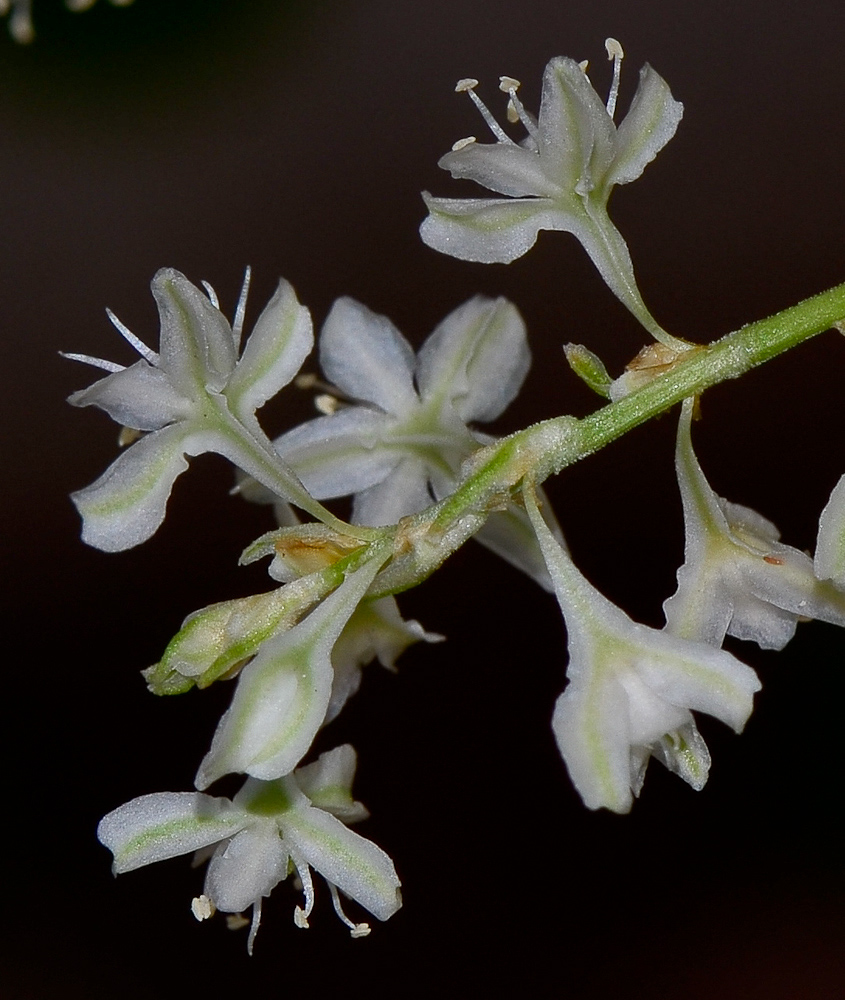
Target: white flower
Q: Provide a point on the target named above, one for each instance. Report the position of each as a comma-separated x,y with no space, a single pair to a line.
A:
560,177
283,694
631,690
20,23
401,444
737,578
196,395
268,830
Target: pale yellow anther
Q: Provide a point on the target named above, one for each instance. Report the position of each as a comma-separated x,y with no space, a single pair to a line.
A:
583,65
467,84
508,83
236,921
326,404
512,113
463,143
202,907
614,49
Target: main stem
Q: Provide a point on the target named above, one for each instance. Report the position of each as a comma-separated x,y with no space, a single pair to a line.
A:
549,446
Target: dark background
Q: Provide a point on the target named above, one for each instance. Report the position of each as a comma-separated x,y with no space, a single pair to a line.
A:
208,134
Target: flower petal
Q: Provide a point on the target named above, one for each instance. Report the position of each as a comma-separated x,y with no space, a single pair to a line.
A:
356,866
280,341
365,355
282,695
140,396
328,783
164,825
507,169
197,347
576,134
651,122
476,359
246,868
126,505
830,547
489,230
405,491
339,454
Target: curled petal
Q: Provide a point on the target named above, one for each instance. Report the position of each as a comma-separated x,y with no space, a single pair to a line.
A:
140,396
164,825
356,866
197,346
651,122
477,358
126,505
507,169
280,341
364,354
489,230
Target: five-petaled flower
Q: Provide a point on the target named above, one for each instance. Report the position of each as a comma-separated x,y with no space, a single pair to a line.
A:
195,395
737,578
270,829
401,441
560,177
631,689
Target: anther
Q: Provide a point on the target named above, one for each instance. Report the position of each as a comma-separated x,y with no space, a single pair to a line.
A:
463,143
616,53
515,110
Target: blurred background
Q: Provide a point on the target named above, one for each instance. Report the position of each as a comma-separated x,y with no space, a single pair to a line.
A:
296,136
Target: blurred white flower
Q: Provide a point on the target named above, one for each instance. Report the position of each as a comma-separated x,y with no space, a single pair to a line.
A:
559,177
830,546
631,690
270,829
737,578
195,395
20,23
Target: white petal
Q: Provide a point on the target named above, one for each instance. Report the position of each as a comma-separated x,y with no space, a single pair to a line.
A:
140,396
477,358
164,825
282,695
405,491
246,868
126,505
830,548
339,454
489,230
650,123
356,866
197,347
280,341
590,724
507,169
328,783
365,355
577,134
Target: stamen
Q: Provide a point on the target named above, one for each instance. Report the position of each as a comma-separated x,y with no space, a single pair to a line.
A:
516,111
129,336
468,85
202,907
238,322
463,143
86,359
355,930
256,921
209,290
300,915
614,52
326,404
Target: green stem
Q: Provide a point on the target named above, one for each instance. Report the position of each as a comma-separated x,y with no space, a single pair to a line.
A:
549,446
